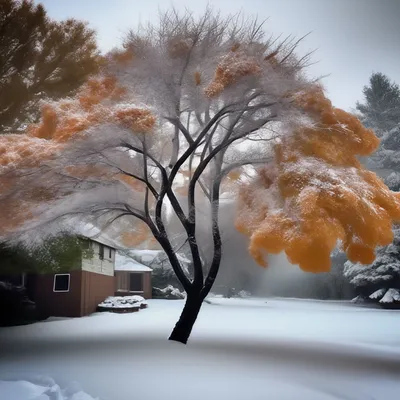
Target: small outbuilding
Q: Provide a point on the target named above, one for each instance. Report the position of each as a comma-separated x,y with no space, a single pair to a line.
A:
78,292
131,277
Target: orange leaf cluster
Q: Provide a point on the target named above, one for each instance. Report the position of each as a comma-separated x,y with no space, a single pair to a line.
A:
94,104
123,56
316,193
232,67
49,123
97,90
139,120
179,48
133,183
24,151
197,78
135,238
235,47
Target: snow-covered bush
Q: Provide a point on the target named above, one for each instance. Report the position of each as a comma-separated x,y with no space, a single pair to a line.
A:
243,294
113,302
168,293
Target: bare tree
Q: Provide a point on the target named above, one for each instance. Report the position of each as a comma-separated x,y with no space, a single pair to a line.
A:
191,102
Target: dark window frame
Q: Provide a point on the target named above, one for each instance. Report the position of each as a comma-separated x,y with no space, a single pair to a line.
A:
54,283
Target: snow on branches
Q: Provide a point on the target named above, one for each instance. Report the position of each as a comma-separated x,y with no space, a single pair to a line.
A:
180,114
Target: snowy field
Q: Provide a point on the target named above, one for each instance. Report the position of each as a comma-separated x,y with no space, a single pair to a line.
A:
240,349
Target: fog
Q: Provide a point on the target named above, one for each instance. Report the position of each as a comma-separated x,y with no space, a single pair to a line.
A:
238,270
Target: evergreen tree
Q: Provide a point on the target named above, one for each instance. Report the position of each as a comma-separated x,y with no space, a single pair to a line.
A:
388,158
382,275
39,59
381,108
381,112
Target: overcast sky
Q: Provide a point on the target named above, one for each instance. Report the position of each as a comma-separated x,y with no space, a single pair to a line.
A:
353,38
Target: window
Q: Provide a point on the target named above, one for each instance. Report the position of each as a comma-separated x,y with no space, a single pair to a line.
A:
61,282
110,253
101,251
136,283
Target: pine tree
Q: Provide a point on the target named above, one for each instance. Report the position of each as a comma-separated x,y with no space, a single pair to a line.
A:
382,112
381,277
381,109
40,59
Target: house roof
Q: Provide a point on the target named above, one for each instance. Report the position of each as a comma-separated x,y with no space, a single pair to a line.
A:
101,240
91,232
126,263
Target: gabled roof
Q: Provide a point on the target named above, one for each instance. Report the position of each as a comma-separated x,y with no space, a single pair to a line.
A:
126,263
91,232
100,240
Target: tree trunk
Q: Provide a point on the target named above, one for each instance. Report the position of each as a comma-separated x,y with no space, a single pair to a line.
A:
184,326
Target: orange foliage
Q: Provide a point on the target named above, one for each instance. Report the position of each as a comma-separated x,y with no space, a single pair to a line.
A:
135,238
178,48
89,170
316,193
49,125
133,183
97,90
69,118
23,151
234,175
66,120
235,47
232,67
139,120
123,56
197,78
272,57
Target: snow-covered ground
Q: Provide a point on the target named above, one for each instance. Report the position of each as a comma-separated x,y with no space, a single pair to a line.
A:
240,348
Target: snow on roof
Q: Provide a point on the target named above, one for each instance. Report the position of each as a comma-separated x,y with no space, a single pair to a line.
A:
92,232
126,263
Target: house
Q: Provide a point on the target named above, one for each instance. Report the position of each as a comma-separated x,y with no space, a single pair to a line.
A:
79,291
95,273
131,277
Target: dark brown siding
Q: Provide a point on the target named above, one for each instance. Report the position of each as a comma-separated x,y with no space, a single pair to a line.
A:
58,304
95,288
122,282
147,286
